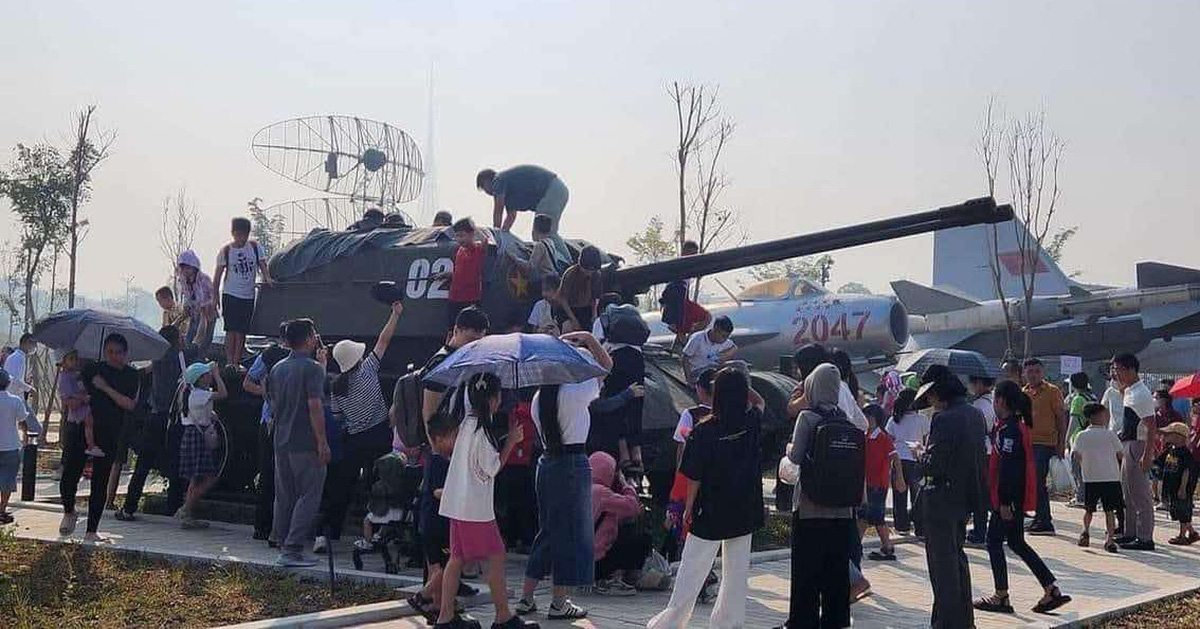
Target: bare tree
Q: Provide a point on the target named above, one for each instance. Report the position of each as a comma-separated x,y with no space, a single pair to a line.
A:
713,222
990,148
695,108
1034,154
178,230
89,148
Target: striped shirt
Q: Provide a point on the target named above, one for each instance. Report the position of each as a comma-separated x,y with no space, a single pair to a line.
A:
363,405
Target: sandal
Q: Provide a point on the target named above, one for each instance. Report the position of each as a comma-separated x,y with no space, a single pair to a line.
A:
995,604
1192,538
424,607
1084,539
1178,540
1110,546
888,554
1057,599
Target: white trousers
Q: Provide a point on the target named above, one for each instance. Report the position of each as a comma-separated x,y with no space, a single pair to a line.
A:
729,612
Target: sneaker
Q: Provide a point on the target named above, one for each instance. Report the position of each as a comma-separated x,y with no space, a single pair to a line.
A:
515,622
124,516
1042,530
525,606
295,560
95,452
1125,539
363,545
614,587
882,555
95,538
67,526
320,545
566,611
466,591
1140,544
1084,539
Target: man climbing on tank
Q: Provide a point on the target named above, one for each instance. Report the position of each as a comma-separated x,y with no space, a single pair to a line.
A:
525,188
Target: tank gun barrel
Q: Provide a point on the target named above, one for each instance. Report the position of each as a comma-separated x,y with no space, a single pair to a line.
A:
637,279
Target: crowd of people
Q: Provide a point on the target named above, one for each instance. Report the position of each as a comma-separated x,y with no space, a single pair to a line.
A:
555,471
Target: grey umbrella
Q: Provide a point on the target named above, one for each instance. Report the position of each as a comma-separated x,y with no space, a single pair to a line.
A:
960,362
84,330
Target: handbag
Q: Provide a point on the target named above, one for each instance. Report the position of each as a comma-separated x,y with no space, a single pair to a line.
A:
789,472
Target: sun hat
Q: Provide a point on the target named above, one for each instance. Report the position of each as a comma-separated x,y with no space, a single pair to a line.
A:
347,353
195,371
1178,428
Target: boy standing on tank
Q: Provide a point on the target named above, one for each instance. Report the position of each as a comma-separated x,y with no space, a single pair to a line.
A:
466,280
238,263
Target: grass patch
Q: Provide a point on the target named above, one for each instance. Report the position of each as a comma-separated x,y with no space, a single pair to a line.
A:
1178,613
56,585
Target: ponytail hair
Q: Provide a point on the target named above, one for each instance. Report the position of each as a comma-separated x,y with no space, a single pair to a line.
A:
548,414
481,389
1016,401
903,404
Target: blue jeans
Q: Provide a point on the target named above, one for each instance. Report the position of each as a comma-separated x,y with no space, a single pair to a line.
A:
1041,458
563,546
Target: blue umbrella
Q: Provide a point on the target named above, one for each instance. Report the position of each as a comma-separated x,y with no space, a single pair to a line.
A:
520,360
84,330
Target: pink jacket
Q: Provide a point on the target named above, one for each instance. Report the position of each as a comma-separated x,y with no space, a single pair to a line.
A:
609,504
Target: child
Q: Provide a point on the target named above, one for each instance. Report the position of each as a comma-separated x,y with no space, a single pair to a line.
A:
172,311
883,464
12,412
386,501
197,454
582,287
467,500
1179,471
466,280
541,259
708,348
682,315
515,491
198,300
549,314
242,260
75,399
1097,451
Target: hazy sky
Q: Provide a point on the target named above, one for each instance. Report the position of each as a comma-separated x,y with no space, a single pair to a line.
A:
846,111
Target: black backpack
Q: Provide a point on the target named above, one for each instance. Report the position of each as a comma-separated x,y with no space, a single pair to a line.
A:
834,467
406,408
624,324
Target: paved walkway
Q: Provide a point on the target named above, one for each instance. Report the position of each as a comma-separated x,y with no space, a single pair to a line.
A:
1098,581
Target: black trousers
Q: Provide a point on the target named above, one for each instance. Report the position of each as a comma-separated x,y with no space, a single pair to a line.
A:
1013,532
949,572
264,509
153,454
820,588
904,519
628,552
516,504
74,459
359,452
979,519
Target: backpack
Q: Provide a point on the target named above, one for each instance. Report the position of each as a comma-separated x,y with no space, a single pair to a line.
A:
406,408
833,471
253,245
624,324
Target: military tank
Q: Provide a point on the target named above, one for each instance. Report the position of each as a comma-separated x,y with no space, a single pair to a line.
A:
328,276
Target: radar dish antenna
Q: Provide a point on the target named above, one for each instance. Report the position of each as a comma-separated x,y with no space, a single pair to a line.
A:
364,160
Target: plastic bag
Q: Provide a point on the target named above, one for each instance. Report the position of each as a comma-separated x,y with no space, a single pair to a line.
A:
789,472
1060,480
656,573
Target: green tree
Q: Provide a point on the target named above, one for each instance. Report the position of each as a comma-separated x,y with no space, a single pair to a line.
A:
38,184
267,230
650,245
808,267
854,288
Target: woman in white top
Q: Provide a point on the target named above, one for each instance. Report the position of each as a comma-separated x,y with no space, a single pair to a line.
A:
906,426
197,460
563,546
467,500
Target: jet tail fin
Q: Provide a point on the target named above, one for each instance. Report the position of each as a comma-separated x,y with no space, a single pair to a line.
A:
922,300
964,258
1157,274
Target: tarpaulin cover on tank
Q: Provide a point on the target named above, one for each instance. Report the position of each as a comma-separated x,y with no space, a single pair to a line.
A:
322,246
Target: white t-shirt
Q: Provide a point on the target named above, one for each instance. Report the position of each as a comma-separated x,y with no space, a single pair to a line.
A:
1138,398
988,408
573,415
598,330
849,405
542,317
1114,402
15,366
914,427
200,408
468,493
685,425
12,412
701,352
1098,449
241,268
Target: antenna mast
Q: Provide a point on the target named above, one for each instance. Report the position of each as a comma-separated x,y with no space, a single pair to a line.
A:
429,204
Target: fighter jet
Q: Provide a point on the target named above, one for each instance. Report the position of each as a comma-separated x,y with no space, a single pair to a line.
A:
773,318
1157,319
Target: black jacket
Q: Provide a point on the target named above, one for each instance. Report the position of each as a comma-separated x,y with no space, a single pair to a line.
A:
954,462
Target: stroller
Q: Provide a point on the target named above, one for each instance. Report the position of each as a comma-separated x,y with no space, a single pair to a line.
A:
392,506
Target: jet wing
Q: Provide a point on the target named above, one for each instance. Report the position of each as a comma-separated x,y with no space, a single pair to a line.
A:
1161,316
923,300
